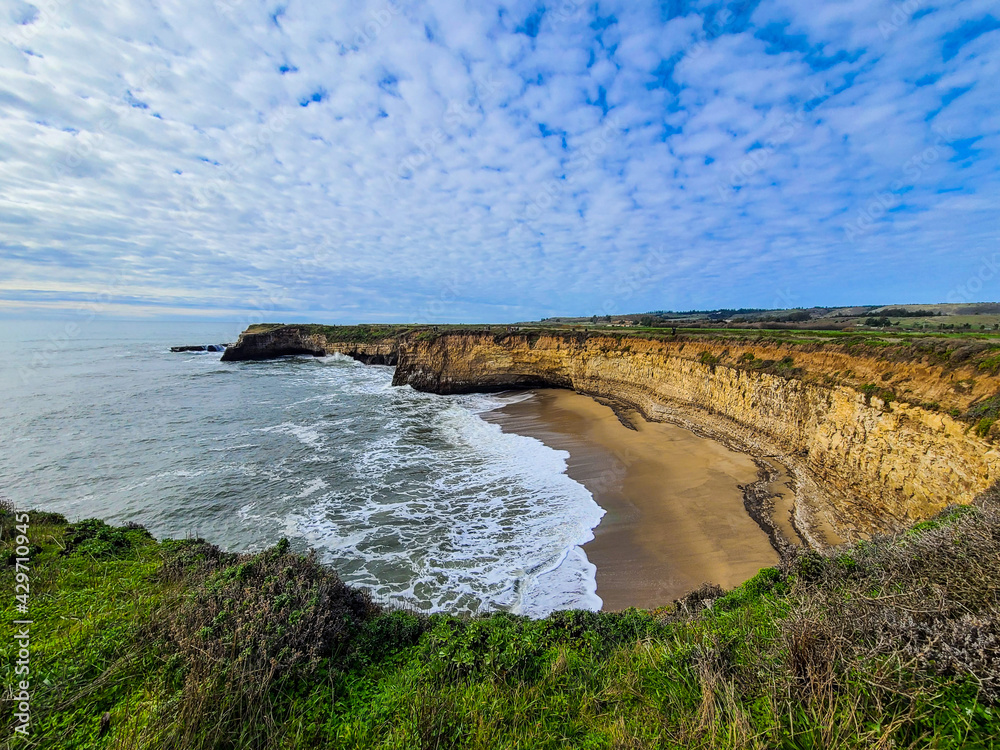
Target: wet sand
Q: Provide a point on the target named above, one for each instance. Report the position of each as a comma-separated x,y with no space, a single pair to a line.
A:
675,516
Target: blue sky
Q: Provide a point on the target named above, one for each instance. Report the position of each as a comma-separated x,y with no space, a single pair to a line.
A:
435,161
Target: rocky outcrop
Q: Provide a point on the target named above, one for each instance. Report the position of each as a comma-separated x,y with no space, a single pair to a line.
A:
259,343
200,348
863,458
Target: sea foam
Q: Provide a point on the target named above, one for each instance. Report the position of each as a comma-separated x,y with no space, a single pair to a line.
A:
436,508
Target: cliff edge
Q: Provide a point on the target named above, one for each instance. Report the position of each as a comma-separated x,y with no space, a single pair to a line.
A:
874,434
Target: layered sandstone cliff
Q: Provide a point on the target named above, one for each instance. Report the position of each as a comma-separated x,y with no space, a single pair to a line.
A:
860,463
863,456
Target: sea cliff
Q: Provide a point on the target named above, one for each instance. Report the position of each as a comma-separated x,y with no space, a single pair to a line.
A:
874,436
268,342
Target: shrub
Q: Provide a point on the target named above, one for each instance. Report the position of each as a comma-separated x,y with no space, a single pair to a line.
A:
41,517
8,521
990,365
384,636
968,644
101,541
275,612
890,642
767,581
808,565
988,408
192,559
251,627
703,597
785,364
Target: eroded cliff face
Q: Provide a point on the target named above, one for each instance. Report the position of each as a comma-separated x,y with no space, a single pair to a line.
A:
860,461
268,343
860,464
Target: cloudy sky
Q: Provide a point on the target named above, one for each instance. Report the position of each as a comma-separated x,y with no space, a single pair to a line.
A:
447,160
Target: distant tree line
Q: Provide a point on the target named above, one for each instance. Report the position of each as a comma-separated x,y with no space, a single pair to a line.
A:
721,313
899,312
980,308
799,316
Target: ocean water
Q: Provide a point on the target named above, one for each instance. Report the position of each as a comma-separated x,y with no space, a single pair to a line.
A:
411,495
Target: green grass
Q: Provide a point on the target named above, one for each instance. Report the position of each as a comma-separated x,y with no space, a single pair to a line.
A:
983,415
360,333
891,642
88,609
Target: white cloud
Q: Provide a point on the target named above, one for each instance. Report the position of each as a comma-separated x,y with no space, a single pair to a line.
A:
429,161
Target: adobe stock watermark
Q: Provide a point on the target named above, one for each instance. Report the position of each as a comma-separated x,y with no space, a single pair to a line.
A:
884,201
365,33
88,142
440,306
901,14
784,299
456,115
378,21
566,11
276,299
546,195
715,29
30,25
55,344
630,284
970,290
640,278
781,134
20,688
216,189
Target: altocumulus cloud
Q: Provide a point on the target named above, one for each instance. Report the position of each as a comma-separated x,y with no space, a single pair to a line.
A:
444,160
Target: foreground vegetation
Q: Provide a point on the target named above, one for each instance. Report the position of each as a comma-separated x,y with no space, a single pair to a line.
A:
890,643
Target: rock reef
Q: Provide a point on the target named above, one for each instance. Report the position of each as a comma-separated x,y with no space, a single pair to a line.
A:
200,348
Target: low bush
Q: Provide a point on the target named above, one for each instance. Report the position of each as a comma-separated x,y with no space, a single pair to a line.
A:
707,358
257,624
99,540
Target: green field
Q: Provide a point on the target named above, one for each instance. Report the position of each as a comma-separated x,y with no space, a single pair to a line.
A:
369,333
975,321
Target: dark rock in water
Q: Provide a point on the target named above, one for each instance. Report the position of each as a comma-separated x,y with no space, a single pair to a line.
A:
200,348
376,359
283,342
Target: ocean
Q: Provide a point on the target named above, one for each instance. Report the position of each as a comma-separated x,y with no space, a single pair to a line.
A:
411,495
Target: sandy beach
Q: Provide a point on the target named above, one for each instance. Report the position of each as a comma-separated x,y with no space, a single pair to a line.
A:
675,515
